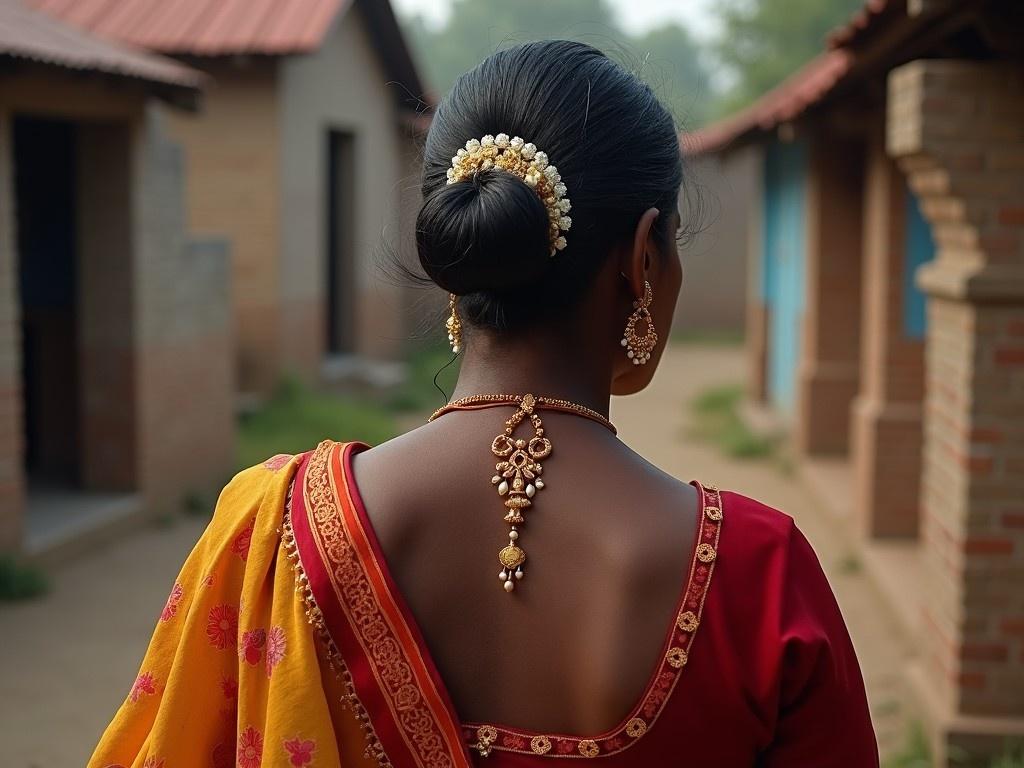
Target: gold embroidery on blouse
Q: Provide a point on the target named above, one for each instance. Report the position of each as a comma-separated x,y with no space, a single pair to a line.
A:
705,553
636,728
486,735
676,657
687,621
710,527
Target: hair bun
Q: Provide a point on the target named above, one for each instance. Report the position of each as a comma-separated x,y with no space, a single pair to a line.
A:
488,233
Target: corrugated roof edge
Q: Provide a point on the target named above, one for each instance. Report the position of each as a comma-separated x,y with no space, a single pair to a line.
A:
29,35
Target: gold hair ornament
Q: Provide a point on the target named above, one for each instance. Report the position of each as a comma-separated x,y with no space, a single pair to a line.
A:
524,160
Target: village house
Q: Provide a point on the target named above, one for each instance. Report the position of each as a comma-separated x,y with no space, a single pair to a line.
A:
301,157
886,325
114,394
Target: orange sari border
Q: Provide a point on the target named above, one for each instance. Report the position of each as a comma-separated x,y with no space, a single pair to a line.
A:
393,685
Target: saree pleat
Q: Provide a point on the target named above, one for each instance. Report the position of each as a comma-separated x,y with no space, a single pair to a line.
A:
230,675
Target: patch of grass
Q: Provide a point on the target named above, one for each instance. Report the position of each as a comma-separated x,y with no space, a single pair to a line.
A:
165,520
19,581
914,753
717,420
1011,757
295,419
196,504
850,564
417,392
723,337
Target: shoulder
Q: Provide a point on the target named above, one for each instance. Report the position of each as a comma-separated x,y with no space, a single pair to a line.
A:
753,527
256,491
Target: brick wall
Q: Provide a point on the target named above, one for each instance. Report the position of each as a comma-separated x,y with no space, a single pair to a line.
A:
886,417
828,371
185,364
233,191
958,131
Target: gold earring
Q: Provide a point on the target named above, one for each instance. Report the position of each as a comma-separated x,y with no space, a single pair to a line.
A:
454,325
639,348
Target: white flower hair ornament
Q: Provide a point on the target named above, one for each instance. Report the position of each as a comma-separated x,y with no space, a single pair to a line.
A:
524,160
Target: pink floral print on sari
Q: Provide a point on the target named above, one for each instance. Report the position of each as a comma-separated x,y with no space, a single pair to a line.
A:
171,607
300,751
276,646
240,546
144,685
222,626
275,463
250,648
250,748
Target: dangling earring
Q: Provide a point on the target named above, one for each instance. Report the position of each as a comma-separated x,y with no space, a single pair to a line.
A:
639,348
454,325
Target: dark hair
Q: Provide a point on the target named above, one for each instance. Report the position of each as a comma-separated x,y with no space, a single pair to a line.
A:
616,147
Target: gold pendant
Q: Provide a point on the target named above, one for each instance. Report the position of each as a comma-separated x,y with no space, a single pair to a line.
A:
518,480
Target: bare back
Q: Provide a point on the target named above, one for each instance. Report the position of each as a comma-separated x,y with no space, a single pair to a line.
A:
608,542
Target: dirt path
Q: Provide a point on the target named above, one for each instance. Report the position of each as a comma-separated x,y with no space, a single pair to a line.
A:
69,659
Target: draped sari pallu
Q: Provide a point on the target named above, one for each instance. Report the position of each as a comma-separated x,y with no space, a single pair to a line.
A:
285,642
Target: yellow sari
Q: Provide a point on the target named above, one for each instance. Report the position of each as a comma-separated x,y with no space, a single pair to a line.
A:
233,674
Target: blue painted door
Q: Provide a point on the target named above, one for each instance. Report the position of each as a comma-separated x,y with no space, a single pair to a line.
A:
918,249
782,271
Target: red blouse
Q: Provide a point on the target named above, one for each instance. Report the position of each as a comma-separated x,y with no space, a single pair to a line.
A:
758,668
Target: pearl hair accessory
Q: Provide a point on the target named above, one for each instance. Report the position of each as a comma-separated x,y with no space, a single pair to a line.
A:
524,160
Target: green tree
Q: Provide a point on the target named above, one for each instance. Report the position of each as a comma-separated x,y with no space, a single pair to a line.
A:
760,42
667,58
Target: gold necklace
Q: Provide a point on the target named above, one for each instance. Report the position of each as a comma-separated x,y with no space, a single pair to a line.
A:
519,469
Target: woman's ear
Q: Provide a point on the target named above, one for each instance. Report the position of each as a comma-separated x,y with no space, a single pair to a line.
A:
637,260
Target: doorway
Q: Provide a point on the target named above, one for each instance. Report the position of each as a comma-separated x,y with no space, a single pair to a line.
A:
340,235
44,188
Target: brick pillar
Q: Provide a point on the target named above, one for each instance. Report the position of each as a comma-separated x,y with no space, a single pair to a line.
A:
958,131
828,374
886,417
12,479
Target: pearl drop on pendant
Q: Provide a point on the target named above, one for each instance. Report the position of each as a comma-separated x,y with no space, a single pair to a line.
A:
496,479
503,575
503,487
519,573
539,484
510,585
513,535
530,490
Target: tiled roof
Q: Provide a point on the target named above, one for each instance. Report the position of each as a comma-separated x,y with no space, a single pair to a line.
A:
861,22
28,34
783,103
205,27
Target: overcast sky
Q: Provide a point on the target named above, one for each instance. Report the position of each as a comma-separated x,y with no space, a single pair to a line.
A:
634,15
